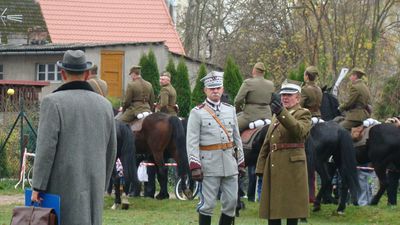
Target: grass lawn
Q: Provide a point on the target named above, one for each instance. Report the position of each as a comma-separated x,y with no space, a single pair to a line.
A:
145,211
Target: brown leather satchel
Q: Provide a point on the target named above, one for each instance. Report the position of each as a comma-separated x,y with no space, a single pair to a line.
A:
31,215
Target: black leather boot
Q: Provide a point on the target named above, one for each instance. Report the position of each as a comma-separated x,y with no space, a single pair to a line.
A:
204,220
226,220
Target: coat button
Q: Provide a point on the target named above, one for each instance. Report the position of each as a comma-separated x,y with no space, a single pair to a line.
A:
283,117
272,136
272,165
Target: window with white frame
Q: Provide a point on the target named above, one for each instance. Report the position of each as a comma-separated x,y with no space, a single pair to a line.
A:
48,72
1,72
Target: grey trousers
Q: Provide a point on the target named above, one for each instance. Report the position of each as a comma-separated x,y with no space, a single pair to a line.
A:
209,193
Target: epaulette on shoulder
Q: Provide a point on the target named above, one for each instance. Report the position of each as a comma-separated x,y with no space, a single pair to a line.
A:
200,106
227,104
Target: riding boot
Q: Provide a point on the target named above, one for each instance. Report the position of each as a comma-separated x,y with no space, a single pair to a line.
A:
204,220
226,220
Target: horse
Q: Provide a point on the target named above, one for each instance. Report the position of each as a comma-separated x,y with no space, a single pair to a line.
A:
381,149
163,136
250,158
126,152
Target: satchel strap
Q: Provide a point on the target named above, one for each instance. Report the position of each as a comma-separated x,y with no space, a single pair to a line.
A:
218,121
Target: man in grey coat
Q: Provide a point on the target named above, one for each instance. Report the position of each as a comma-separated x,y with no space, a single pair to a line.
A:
215,152
76,145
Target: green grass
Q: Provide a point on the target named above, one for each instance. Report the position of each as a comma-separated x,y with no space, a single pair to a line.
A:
7,187
144,211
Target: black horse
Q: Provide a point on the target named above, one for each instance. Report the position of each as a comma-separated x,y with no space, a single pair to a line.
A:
126,152
381,150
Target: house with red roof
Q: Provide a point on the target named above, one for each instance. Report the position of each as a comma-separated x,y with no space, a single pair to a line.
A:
114,35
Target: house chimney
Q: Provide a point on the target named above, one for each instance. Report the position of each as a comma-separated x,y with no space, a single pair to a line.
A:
37,36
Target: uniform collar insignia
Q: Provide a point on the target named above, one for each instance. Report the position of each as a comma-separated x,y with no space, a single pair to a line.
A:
216,106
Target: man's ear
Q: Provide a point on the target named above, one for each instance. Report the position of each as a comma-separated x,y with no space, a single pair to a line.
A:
86,74
63,75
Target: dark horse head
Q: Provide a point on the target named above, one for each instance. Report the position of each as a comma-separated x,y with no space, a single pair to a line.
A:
329,105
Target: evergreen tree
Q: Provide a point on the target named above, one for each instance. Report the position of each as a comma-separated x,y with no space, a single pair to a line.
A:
151,73
239,77
231,82
182,87
198,95
172,70
298,73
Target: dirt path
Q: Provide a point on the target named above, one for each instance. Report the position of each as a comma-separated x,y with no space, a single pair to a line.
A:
11,199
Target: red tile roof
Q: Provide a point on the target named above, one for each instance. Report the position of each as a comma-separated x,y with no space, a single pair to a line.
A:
71,21
24,82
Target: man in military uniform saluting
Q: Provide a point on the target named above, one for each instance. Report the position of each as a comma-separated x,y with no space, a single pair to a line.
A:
215,151
356,108
167,98
139,96
311,94
254,98
282,159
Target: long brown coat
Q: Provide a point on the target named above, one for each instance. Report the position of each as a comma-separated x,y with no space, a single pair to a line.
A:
139,98
311,97
167,100
253,99
355,106
285,185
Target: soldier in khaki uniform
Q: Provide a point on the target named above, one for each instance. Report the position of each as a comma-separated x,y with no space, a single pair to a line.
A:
98,85
254,97
311,94
282,160
356,107
167,98
139,96
215,152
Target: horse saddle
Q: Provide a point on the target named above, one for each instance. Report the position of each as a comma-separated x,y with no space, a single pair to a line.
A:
136,125
248,136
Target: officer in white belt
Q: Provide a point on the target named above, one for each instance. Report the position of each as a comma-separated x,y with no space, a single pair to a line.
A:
215,151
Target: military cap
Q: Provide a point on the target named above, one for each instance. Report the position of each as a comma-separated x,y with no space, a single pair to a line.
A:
94,69
166,73
312,70
260,66
357,70
290,87
135,69
213,80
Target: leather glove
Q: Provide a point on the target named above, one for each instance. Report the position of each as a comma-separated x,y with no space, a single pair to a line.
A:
197,175
242,171
276,104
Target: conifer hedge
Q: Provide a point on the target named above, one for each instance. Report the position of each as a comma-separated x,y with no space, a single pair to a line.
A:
182,87
198,95
232,81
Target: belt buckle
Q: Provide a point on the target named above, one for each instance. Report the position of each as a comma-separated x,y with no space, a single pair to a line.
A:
274,147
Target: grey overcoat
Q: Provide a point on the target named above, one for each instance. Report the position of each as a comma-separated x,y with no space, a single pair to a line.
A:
75,152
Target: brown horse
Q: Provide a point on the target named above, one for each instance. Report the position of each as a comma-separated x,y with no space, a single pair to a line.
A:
161,137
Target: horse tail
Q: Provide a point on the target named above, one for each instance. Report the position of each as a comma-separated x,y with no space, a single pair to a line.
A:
127,151
349,163
310,155
179,137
